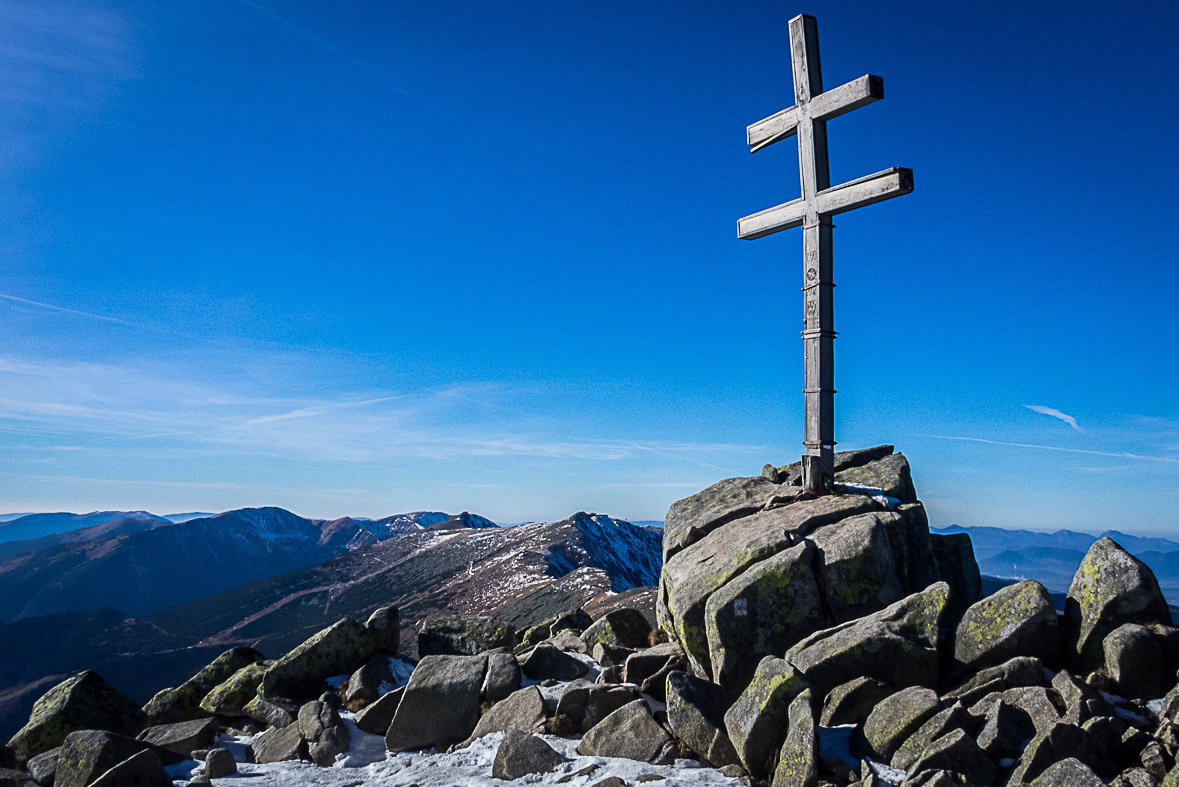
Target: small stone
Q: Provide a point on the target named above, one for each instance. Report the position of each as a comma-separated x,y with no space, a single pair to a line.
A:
219,763
376,718
520,754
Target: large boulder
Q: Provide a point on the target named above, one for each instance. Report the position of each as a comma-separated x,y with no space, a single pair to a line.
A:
757,721
585,704
1111,587
183,702
957,752
1070,772
624,627
440,705
630,732
139,770
889,474
851,702
524,711
520,754
694,517
339,649
762,612
898,646
384,626
276,712
692,575
230,697
896,718
798,761
844,460
1016,672
464,635
1059,742
369,682
1018,620
82,702
88,754
183,736
958,568
376,718
941,723
323,729
696,714
279,744
502,678
1134,659
547,661
641,665
857,566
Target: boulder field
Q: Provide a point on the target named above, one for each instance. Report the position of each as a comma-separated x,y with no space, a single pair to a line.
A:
801,641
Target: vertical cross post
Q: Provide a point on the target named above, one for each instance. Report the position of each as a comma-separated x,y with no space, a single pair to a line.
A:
813,211
818,336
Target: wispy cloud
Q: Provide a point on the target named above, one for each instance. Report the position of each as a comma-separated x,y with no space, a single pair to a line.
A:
60,63
106,403
1054,413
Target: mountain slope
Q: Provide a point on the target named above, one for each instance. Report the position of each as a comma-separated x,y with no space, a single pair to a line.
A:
427,573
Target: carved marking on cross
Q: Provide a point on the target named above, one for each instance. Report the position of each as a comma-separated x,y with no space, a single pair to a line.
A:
813,211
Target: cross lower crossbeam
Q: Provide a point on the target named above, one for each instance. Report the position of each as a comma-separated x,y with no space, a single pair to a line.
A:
807,120
867,190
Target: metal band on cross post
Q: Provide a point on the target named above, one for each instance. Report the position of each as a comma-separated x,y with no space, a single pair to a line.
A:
813,211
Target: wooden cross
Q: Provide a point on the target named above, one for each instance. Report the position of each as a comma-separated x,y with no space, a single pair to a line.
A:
813,211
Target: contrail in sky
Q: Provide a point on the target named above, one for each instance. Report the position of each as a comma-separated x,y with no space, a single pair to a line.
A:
328,45
89,315
1116,455
1054,413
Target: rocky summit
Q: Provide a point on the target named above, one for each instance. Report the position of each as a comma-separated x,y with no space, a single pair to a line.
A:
801,640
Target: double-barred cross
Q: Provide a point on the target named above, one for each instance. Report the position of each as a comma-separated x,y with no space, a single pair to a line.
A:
813,211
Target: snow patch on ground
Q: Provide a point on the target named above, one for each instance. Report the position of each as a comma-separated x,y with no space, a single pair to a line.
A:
469,766
886,774
400,670
367,763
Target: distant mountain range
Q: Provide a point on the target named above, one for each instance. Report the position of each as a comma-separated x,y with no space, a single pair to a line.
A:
30,526
1053,558
143,564
425,563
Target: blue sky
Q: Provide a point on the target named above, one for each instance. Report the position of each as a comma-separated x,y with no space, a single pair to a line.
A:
367,257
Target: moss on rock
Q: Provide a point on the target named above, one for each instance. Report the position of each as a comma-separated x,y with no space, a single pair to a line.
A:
84,701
